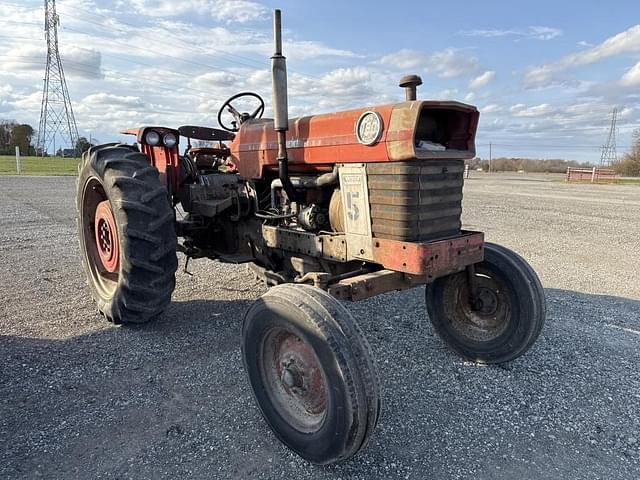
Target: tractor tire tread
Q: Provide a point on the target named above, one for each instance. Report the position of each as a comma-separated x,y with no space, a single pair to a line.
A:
352,353
147,235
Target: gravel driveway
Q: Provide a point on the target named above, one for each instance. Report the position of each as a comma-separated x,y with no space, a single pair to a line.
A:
80,398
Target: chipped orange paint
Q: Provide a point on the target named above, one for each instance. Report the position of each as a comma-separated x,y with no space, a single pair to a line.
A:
313,142
316,142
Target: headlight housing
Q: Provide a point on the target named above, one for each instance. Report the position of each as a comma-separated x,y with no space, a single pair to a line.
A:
169,140
152,138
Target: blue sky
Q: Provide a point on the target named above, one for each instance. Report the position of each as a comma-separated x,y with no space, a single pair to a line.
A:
545,75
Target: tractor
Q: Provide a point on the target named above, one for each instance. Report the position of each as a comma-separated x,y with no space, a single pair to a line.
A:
325,209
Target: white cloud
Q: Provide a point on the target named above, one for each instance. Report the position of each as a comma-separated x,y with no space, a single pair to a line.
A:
447,94
112,101
492,108
82,62
535,32
447,63
632,77
216,79
241,11
406,59
522,110
622,43
228,11
543,33
482,80
451,63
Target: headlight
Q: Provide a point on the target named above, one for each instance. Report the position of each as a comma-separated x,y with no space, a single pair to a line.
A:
152,138
169,140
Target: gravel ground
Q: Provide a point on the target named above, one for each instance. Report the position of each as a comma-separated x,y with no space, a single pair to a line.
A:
80,398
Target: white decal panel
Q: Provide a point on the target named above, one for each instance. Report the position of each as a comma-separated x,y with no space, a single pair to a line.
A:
355,202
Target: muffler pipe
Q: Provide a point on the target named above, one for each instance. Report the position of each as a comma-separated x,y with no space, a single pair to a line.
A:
280,107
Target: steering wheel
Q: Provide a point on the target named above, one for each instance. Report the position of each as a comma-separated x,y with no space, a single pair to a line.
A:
240,118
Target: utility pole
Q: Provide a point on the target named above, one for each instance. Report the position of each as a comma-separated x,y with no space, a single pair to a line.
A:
609,154
490,157
56,113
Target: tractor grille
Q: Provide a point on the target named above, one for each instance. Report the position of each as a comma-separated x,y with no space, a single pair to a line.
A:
418,200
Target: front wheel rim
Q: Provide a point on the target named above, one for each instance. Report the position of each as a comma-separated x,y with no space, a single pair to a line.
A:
486,318
294,380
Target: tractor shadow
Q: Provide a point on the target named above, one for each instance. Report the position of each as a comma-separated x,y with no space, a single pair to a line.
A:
170,399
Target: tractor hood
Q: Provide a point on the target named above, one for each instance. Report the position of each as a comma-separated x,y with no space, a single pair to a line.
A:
403,131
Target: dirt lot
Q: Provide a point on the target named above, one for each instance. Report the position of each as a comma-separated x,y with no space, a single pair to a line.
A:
82,399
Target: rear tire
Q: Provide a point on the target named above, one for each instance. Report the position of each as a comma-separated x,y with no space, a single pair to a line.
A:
312,372
508,318
127,234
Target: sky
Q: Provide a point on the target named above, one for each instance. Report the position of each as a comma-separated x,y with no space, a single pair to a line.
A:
545,75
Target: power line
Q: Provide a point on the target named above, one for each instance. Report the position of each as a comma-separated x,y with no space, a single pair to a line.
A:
258,63
261,63
164,85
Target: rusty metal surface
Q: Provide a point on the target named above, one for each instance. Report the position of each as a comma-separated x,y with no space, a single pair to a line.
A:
591,175
372,284
410,119
415,200
294,379
330,247
410,83
434,259
431,259
321,140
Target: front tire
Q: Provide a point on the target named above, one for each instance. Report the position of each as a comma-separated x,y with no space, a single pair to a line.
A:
311,372
127,235
505,320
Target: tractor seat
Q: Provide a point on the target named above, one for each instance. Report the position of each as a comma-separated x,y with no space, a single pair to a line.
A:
209,158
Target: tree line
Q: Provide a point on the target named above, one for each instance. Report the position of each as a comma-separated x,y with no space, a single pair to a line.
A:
24,136
14,134
504,164
629,164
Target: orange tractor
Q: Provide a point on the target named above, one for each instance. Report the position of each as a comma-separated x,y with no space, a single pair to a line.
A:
324,208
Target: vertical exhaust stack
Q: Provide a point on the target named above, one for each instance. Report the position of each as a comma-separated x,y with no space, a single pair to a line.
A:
280,107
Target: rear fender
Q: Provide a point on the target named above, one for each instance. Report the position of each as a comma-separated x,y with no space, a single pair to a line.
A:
165,159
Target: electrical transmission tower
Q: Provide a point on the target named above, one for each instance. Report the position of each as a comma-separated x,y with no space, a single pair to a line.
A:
609,154
56,113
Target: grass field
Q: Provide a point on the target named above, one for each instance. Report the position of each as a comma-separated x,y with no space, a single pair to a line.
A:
39,166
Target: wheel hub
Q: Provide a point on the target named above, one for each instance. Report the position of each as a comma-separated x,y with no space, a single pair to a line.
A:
296,379
292,377
486,302
106,237
300,374
484,316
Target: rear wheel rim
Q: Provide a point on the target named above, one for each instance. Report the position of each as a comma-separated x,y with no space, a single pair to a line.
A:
294,380
106,237
100,239
489,316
